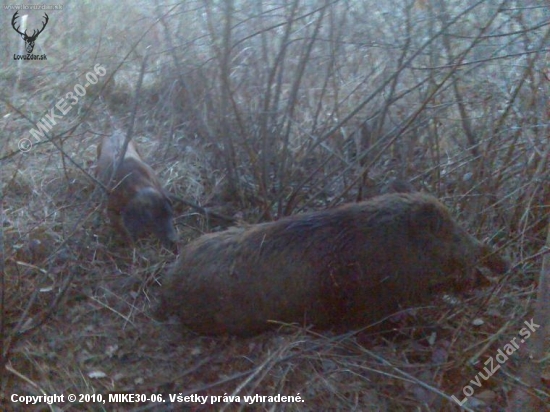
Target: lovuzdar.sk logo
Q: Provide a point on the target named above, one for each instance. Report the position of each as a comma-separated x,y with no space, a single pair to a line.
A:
29,40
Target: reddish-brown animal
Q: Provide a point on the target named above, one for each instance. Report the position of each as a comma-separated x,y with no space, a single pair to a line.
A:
348,266
137,204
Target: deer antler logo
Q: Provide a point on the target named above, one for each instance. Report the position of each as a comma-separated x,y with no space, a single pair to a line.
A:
29,40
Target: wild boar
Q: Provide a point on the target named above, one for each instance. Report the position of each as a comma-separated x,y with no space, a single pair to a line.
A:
137,205
346,267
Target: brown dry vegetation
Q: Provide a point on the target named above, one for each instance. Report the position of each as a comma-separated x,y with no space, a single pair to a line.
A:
259,110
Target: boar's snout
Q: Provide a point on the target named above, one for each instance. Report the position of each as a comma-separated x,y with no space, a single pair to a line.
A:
478,253
448,242
166,233
493,261
151,212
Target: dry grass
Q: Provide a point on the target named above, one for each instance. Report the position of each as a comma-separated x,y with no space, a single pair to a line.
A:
258,111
